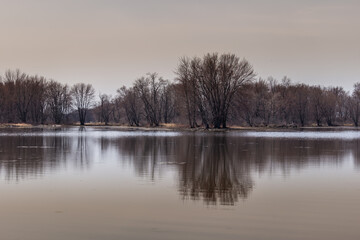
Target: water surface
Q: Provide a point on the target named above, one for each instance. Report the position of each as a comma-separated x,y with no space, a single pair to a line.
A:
104,184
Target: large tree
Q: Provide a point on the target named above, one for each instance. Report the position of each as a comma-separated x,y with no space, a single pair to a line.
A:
83,97
216,78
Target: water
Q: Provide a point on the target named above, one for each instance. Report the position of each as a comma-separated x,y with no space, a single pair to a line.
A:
105,184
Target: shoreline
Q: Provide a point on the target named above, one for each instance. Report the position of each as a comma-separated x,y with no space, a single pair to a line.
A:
177,128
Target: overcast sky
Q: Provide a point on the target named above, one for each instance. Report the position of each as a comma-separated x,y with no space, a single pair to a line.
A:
110,43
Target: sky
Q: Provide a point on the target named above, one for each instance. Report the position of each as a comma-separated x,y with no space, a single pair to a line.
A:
111,43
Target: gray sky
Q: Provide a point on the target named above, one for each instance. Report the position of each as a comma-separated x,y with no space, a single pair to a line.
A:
111,43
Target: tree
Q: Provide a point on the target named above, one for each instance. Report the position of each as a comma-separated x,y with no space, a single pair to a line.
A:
168,102
329,106
187,75
341,104
38,104
106,108
215,80
354,104
272,99
59,100
220,79
301,102
23,92
9,108
284,100
83,97
117,108
316,99
130,100
149,89
245,103
262,101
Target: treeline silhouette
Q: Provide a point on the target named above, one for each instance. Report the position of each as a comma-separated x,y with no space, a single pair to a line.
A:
212,91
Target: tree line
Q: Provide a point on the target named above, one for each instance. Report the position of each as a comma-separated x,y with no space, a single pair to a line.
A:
212,92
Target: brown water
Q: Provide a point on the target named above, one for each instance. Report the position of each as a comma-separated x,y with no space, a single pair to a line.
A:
92,184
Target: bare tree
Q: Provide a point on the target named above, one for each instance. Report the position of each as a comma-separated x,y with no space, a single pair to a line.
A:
217,79
83,97
329,106
301,103
59,100
2,100
38,105
283,101
117,112
150,89
168,102
131,102
256,102
9,106
341,104
354,104
316,99
221,78
272,99
106,108
262,101
209,91
188,73
245,103
23,92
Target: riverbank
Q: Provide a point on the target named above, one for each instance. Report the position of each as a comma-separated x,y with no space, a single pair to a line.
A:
176,127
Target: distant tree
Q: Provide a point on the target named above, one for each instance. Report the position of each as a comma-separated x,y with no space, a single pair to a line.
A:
211,91
256,102
117,103
38,105
59,100
284,101
130,100
23,92
245,103
272,99
83,97
149,89
262,102
188,73
341,104
168,105
329,106
354,104
316,99
106,107
9,107
301,103
2,100
24,97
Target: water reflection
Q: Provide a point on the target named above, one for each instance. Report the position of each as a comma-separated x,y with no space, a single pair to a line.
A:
32,156
212,171
214,168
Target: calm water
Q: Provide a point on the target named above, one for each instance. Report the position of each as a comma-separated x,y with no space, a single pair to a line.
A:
91,184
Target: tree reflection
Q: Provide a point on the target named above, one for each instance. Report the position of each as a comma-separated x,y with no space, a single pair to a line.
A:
215,168
211,173
21,157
